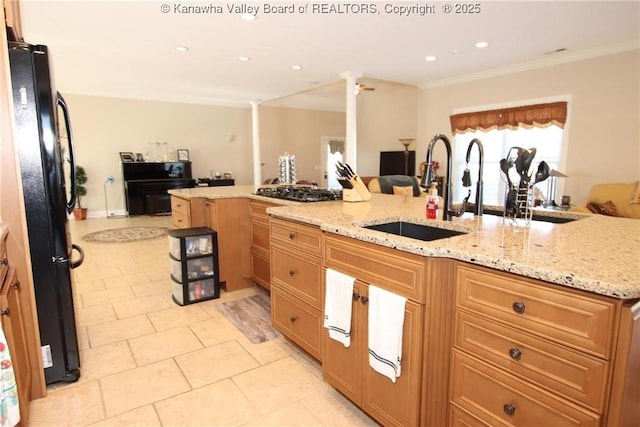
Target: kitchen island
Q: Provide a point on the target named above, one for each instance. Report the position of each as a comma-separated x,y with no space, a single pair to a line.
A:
507,324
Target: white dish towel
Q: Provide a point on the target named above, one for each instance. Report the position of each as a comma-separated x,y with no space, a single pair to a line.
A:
337,306
386,319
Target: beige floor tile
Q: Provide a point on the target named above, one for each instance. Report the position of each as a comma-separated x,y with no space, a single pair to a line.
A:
106,360
94,315
177,316
91,272
141,305
163,345
210,307
83,338
212,364
83,287
158,271
75,405
141,417
125,280
119,330
219,404
215,331
266,352
156,287
137,387
107,296
292,415
277,384
335,410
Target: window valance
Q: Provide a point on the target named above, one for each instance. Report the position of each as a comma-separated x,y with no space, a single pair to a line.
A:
528,116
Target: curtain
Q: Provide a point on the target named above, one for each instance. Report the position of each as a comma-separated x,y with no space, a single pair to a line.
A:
336,147
528,116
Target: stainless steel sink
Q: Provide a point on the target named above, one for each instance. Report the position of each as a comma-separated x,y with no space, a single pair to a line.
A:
415,231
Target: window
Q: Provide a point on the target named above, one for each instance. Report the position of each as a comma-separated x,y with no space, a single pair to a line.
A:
540,126
496,144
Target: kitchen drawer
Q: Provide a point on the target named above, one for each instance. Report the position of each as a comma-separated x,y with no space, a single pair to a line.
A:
258,210
260,234
260,269
295,235
501,399
299,274
460,418
568,317
398,272
297,320
578,376
180,206
179,220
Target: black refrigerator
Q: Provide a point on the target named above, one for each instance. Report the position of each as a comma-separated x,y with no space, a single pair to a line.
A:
45,150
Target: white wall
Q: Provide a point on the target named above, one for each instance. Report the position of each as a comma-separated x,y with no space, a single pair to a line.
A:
604,110
218,138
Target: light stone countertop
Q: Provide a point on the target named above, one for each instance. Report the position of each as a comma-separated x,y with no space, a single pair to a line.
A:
597,253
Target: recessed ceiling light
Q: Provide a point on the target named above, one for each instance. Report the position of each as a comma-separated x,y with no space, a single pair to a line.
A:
244,58
248,17
482,44
455,51
430,58
297,67
182,48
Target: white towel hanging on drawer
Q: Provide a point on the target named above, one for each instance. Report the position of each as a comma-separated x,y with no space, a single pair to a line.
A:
337,306
386,319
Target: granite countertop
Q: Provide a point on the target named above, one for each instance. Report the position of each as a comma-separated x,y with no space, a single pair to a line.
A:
596,253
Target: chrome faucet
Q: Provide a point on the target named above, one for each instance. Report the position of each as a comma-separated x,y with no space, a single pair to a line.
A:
466,177
429,175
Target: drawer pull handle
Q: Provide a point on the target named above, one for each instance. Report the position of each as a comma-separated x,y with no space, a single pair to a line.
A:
292,273
509,409
356,296
292,236
5,312
518,307
293,319
364,300
515,353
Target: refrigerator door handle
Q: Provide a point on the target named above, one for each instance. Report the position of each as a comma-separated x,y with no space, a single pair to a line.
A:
79,261
71,203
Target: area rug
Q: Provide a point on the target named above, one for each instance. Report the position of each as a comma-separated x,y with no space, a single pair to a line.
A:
125,235
252,316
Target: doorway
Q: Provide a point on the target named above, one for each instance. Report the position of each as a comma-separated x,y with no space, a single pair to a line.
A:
332,149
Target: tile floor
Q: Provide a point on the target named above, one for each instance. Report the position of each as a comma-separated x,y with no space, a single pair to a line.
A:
147,362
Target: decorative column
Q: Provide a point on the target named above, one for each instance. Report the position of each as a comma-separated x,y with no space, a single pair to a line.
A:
255,133
351,136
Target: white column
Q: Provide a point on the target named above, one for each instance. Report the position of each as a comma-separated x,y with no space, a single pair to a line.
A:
255,133
351,136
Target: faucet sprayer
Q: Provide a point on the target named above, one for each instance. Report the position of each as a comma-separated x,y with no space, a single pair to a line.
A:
466,176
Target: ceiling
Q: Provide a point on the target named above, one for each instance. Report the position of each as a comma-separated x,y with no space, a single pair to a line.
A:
126,49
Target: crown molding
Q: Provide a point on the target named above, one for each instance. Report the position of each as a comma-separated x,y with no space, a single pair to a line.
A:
556,59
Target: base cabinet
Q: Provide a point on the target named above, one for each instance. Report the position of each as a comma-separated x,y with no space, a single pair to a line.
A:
13,327
348,369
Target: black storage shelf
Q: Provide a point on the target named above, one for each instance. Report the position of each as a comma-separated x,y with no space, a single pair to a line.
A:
193,258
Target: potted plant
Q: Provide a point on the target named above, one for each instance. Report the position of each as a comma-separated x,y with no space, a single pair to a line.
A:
79,212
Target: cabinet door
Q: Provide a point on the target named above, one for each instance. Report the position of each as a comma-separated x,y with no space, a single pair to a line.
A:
13,327
399,403
342,366
230,218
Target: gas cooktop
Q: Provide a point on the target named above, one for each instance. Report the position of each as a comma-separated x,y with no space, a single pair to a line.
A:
300,193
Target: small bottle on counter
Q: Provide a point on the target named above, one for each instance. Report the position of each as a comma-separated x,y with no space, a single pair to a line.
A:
432,201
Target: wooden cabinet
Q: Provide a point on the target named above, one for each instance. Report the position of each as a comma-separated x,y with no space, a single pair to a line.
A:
296,280
260,256
347,369
188,213
13,325
529,354
230,219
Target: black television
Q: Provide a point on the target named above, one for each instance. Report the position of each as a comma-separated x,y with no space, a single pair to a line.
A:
393,163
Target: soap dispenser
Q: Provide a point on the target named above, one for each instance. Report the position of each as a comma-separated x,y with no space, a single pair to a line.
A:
432,201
